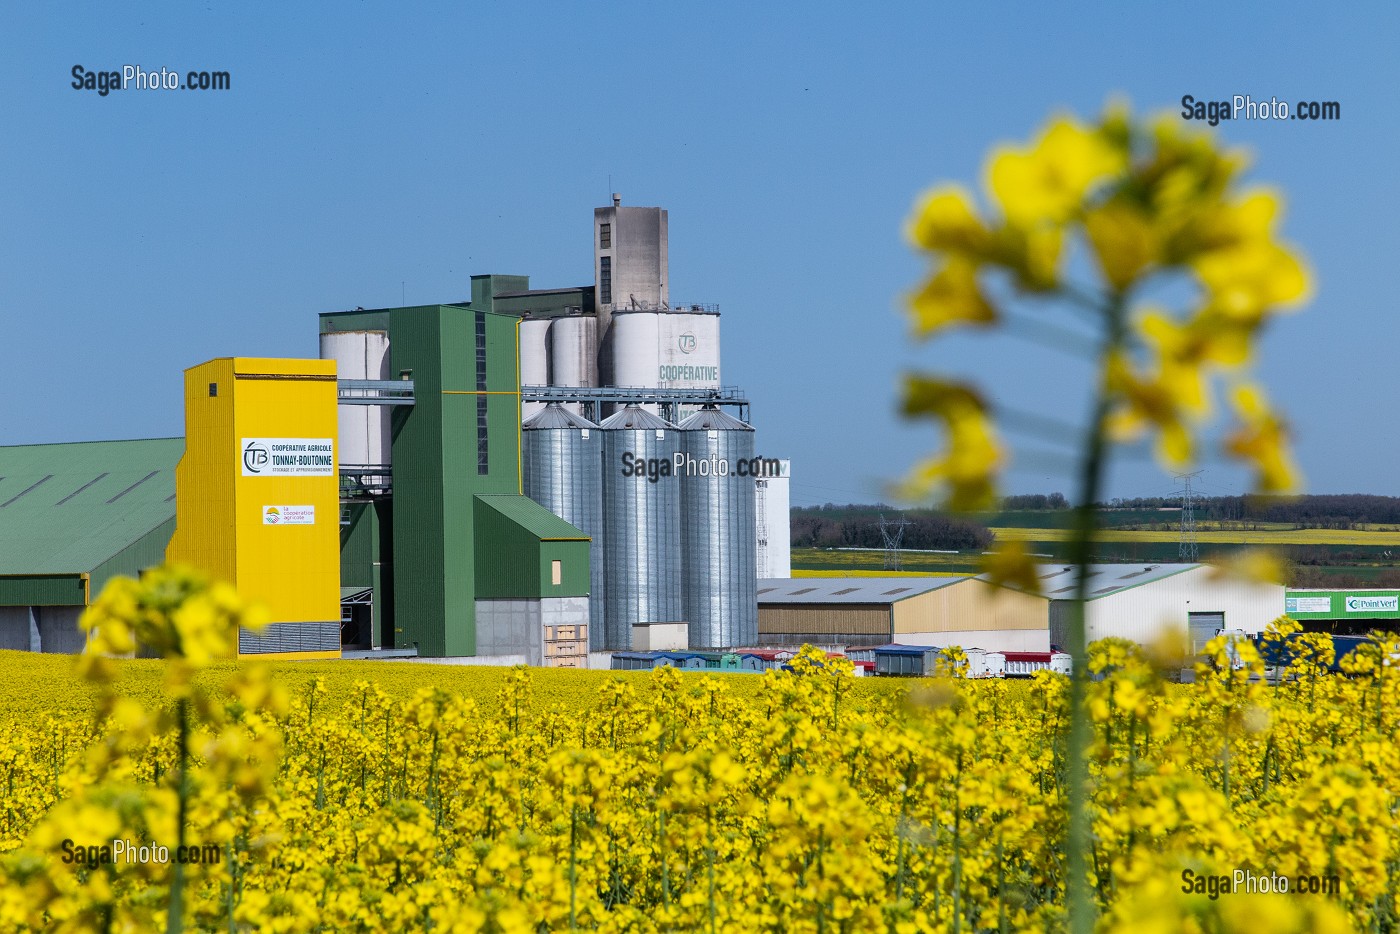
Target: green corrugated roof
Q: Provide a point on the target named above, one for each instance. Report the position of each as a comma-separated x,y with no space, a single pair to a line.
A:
531,516
67,508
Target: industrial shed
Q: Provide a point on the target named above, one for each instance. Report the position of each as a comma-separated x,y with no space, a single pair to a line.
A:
1137,601
71,517
941,611
1352,612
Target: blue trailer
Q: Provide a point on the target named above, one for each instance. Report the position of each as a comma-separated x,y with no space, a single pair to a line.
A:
636,661
1280,655
906,661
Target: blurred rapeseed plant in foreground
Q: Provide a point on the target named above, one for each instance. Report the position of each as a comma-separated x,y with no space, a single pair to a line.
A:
1160,211
152,776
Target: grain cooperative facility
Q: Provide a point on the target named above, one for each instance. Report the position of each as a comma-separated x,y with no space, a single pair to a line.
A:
527,475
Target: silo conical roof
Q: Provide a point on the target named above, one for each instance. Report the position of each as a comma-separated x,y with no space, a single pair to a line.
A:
637,419
712,419
555,416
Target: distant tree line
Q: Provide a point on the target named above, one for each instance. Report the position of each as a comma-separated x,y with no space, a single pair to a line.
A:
851,526
1034,501
1323,511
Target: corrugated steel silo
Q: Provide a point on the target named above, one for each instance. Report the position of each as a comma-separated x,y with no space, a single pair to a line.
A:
365,439
534,359
561,466
719,575
641,525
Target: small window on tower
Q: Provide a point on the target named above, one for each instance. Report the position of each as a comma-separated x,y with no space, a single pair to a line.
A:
605,279
605,236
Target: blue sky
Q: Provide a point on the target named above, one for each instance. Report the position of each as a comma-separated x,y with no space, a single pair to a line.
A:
372,151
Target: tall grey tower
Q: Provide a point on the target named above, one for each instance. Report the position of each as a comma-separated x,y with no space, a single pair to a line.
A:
629,269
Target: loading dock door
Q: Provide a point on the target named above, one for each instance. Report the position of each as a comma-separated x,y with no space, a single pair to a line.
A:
356,618
1204,626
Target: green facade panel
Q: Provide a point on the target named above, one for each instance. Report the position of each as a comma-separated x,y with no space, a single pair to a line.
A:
148,551
420,543
444,453
1341,604
355,321
43,590
518,542
357,548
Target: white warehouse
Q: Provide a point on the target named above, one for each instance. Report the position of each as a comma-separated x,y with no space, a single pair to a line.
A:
1137,602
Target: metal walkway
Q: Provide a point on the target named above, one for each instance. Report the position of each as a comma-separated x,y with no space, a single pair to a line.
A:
593,397
374,391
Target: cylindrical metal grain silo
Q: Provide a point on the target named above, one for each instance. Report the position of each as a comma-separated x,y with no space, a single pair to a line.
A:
365,440
641,525
562,471
719,561
534,359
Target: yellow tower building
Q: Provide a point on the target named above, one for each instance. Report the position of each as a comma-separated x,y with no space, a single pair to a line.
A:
258,495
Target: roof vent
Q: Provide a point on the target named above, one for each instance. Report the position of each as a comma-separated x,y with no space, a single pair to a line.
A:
617,200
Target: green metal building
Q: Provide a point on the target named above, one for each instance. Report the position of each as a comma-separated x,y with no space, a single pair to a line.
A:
452,560
1344,612
71,517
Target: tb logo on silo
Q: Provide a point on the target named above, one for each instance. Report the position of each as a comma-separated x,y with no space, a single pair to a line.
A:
254,458
687,343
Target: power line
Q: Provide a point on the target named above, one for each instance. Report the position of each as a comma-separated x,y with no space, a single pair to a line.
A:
1186,547
893,535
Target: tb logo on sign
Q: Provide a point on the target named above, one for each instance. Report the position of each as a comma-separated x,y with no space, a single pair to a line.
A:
254,457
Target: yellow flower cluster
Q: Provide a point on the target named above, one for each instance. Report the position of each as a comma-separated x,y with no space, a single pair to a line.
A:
1159,210
386,797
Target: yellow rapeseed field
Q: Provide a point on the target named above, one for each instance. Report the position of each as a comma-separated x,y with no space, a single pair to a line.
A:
405,797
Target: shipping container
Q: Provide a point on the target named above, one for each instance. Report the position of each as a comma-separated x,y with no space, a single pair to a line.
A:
635,661
687,660
984,664
908,661
1025,664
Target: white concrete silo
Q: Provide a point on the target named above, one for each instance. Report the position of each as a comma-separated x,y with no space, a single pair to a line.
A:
365,439
534,359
